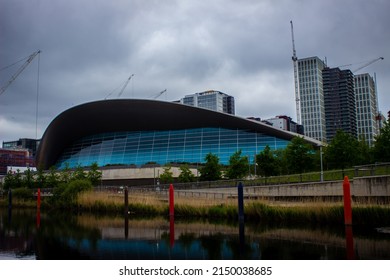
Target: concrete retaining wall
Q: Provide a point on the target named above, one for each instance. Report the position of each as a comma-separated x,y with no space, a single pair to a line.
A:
364,186
364,189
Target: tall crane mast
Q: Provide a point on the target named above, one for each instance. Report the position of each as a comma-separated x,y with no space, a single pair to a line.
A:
124,86
296,76
20,70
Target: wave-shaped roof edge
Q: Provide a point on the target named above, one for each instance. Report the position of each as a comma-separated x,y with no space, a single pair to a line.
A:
138,115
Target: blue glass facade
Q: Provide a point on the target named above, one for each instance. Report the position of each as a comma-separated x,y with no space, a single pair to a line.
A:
167,146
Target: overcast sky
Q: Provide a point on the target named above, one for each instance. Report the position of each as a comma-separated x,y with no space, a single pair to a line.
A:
242,48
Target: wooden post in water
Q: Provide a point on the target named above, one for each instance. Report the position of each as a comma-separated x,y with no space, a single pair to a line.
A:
240,191
126,212
126,197
39,198
10,199
171,201
347,201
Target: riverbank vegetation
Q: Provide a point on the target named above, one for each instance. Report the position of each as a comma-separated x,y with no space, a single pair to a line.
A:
149,204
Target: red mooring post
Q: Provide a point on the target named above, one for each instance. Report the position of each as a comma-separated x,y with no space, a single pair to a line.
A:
39,198
171,201
347,201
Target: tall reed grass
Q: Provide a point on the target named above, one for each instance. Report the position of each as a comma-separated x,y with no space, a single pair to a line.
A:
152,204
297,213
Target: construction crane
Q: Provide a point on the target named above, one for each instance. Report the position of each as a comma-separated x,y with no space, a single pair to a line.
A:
296,76
20,70
363,66
122,89
367,64
124,86
159,94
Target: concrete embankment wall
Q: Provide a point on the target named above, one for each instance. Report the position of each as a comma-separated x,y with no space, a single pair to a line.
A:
364,186
365,189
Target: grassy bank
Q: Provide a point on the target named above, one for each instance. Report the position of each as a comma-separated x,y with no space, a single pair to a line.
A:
151,204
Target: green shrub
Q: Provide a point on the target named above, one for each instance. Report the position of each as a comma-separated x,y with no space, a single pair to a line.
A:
22,193
66,194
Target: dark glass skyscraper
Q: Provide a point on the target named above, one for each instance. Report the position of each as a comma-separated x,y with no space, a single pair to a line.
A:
340,104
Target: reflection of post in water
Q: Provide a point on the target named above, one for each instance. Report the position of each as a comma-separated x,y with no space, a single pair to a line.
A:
126,212
9,206
349,242
38,218
172,231
242,238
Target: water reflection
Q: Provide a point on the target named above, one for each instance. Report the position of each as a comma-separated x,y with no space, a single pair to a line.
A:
41,235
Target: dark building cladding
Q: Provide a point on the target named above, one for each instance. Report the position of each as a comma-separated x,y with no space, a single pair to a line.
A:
340,105
15,158
137,132
23,143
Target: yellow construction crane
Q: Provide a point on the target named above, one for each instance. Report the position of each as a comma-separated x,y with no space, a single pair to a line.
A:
20,70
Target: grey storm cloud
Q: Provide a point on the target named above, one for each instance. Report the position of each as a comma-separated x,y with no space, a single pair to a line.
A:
243,48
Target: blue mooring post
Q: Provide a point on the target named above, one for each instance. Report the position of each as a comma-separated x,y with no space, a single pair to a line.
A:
240,190
9,199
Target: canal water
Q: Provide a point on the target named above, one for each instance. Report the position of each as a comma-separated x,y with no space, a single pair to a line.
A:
28,234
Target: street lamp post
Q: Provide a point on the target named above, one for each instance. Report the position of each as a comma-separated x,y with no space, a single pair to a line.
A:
322,169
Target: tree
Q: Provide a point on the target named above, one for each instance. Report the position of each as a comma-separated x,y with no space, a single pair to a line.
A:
66,174
342,151
94,175
28,179
167,175
52,179
10,181
363,152
41,178
211,171
298,155
186,174
382,143
267,163
79,173
238,166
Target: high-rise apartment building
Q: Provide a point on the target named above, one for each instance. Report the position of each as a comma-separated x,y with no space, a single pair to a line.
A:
332,99
312,97
366,108
211,99
285,123
340,104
